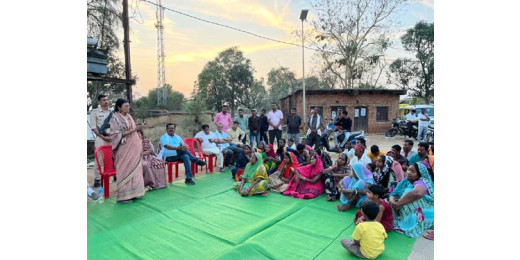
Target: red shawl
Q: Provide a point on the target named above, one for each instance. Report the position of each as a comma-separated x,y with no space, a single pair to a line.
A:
286,171
303,189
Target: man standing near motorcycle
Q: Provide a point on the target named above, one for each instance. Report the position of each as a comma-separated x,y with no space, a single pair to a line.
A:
411,119
424,120
346,125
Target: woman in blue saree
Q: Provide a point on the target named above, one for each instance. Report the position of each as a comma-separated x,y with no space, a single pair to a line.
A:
353,187
412,202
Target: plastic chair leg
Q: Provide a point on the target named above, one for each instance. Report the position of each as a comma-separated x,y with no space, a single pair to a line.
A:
106,186
176,170
169,172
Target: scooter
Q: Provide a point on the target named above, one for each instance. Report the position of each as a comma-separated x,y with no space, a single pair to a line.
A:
324,139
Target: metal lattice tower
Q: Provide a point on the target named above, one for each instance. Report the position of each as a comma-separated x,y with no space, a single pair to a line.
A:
161,88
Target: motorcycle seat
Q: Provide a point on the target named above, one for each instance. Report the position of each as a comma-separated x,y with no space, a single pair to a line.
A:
355,133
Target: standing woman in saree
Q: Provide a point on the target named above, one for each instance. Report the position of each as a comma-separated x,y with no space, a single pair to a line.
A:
254,180
412,202
127,148
306,182
154,172
353,188
279,180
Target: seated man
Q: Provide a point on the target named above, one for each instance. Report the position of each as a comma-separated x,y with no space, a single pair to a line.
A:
174,150
304,155
360,155
235,132
223,140
374,153
304,142
290,143
208,142
408,150
346,125
422,152
397,152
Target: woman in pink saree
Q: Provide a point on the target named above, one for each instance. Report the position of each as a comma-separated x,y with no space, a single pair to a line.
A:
127,148
154,172
306,182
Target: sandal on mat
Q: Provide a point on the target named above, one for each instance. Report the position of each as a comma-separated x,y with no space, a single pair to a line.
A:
428,235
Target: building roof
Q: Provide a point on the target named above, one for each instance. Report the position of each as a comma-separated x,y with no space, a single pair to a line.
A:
350,92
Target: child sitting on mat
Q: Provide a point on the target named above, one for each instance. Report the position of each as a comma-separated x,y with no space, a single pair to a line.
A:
369,236
384,216
371,167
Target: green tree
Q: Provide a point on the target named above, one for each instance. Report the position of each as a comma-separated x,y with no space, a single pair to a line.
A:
416,75
352,34
225,79
282,82
103,21
174,101
197,106
255,97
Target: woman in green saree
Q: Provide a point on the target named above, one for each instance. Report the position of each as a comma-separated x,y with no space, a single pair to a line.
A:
254,180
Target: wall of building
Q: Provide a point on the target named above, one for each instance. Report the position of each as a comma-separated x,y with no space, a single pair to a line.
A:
183,120
371,101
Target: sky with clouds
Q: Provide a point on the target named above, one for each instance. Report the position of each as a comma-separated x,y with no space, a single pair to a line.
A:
189,44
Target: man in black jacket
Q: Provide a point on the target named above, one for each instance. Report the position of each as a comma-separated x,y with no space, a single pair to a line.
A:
264,126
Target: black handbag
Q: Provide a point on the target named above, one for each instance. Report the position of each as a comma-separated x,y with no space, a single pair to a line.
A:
106,124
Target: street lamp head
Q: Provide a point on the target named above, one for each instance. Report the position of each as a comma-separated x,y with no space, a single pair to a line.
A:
303,14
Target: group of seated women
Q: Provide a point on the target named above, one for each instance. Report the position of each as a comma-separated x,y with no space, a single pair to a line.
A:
408,190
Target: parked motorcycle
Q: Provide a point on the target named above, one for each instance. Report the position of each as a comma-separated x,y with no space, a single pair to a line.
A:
429,134
400,127
324,139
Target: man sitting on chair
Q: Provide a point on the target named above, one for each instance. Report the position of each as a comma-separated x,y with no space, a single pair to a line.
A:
175,150
208,142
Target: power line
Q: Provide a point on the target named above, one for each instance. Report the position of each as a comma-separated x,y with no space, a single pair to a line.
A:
237,29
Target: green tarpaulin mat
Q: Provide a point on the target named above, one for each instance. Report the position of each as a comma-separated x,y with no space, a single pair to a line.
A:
210,220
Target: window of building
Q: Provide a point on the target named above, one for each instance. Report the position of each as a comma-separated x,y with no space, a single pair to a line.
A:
382,114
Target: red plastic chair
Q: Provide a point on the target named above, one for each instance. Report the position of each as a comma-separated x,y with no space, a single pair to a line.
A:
108,167
191,142
169,167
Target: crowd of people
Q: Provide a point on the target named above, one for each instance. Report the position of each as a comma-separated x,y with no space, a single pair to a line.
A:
393,190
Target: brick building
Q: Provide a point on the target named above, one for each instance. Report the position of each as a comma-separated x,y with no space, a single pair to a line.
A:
371,110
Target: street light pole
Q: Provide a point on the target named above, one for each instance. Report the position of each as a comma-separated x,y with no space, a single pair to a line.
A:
303,16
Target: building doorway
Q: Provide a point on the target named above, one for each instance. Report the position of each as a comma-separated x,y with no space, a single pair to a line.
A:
360,119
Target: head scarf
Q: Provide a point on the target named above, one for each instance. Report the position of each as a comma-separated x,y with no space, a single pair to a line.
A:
359,148
380,174
309,171
405,184
287,170
271,153
425,177
362,172
264,145
250,170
